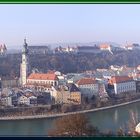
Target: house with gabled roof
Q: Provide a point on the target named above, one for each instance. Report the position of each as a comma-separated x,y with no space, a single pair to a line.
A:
42,81
122,84
88,86
69,93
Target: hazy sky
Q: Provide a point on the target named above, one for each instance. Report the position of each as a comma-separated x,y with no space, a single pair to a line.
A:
58,23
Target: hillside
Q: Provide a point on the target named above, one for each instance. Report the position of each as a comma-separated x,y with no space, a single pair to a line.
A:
66,63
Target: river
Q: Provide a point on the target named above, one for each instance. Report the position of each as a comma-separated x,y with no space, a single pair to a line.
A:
110,119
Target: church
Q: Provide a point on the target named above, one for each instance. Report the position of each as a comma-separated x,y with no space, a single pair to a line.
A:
35,80
24,67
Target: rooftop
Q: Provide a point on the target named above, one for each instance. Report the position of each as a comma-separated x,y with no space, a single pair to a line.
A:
43,76
85,81
120,79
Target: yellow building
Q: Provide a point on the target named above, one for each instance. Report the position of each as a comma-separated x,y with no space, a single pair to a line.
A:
68,94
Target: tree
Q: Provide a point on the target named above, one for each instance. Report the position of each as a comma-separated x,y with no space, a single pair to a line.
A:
73,125
120,132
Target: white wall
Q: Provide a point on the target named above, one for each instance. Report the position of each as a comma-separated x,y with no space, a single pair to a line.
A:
125,87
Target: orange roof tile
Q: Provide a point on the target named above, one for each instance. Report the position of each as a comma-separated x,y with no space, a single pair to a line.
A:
85,81
105,46
42,76
120,79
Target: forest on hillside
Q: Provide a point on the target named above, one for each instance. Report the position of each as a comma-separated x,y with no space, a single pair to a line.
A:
69,63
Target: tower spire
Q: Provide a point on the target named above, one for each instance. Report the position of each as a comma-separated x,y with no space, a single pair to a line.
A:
25,63
25,43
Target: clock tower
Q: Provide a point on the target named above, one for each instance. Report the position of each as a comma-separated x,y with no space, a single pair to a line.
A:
24,67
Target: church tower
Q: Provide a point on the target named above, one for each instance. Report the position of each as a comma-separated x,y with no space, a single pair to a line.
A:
24,68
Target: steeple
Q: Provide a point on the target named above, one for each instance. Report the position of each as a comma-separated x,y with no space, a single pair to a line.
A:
24,69
25,43
25,47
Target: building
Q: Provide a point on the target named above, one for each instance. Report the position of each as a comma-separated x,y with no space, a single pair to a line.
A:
105,47
24,67
9,82
44,98
137,86
39,50
39,87
122,84
23,100
65,49
62,96
42,82
68,94
40,79
102,91
6,101
33,100
3,49
88,49
88,86
75,94
137,128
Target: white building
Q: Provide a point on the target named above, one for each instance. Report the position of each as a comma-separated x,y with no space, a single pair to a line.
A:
3,49
88,86
42,79
6,101
23,100
123,84
137,128
24,68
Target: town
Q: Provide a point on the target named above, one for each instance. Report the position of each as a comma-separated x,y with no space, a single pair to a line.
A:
71,91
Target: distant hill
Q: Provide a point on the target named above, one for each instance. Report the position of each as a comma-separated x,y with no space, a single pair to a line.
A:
54,45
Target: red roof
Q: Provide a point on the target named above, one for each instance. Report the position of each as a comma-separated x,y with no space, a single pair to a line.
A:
85,81
105,46
120,79
42,76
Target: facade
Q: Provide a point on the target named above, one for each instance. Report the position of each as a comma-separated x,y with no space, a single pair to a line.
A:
23,100
88,86
44,98
105,47
9,83
62,96
65,50
68,94
102,91
6,101
137,86
88,49
122,84
75,94
3,49
33,100
39,87
42,79
24,68
38,49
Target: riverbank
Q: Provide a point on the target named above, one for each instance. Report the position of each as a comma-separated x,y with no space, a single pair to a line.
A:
63,114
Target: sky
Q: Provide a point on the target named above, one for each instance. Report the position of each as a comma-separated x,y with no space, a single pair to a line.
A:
69,23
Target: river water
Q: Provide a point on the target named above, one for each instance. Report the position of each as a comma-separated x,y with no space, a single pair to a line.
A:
110,119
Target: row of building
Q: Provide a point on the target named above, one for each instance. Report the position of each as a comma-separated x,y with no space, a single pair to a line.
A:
97,48
73,87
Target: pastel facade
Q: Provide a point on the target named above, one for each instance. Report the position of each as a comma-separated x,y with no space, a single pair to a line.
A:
88,86
123,84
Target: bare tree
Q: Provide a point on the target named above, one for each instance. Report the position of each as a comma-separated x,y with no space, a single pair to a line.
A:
73,125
